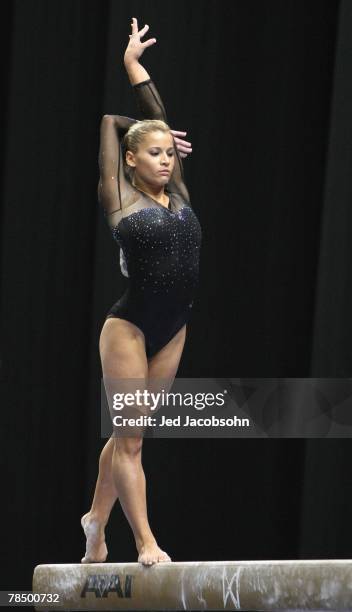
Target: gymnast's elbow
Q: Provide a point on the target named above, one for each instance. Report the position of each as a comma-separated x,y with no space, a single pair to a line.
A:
112,118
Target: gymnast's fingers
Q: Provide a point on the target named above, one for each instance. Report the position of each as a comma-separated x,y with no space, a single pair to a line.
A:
143,30
183,145
134,25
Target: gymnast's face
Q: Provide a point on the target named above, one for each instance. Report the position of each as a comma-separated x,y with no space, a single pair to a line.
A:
155,153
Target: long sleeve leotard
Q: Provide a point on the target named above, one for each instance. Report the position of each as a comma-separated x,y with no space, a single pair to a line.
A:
160,246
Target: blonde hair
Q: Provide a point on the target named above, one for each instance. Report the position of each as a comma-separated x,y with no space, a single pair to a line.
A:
135,135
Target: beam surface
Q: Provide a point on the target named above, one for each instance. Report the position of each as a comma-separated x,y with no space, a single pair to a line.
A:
206,585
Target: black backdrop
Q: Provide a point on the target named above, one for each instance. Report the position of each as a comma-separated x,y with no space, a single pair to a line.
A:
264,90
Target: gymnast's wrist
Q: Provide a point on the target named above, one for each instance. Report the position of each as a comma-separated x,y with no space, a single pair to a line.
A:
130,62
135,71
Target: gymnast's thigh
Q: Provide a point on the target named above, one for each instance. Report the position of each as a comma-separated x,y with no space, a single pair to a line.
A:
125,370
163,366
164,363
122,349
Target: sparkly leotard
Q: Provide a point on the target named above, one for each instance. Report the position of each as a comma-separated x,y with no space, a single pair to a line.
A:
159,245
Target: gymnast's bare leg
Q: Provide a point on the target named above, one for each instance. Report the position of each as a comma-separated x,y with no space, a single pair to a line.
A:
121,474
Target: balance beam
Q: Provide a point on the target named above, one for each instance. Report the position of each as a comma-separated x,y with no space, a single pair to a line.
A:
323,584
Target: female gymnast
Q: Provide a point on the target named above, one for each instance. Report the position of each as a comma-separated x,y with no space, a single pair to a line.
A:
147,206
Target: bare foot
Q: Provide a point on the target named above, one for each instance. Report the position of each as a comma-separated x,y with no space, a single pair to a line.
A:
150,553
96,551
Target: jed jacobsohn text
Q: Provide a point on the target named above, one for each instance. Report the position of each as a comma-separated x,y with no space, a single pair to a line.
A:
199,401
148,421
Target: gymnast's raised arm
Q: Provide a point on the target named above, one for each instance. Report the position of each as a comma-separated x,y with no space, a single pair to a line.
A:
114,189
148,99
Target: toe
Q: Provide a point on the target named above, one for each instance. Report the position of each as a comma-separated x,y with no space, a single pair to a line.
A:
145,560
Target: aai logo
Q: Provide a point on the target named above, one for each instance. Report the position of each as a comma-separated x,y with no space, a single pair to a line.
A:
103,584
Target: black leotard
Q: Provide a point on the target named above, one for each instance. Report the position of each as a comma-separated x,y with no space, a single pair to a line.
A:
160,245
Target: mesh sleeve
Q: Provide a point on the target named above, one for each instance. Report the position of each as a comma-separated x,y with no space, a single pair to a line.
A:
114,188
151,106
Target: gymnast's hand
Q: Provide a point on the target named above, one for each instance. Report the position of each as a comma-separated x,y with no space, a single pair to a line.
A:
183,146
135,47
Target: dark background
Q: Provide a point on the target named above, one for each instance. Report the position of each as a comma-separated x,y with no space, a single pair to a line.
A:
265,92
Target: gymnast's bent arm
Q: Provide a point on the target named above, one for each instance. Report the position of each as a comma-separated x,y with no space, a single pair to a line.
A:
114,188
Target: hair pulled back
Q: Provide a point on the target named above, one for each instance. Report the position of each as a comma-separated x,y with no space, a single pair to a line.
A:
135,136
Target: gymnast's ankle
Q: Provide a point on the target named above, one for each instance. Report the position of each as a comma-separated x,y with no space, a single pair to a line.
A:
91,519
